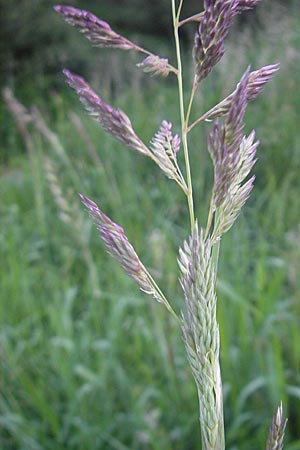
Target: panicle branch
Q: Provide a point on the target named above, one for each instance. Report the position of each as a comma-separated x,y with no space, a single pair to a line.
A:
163,147
114,121
94,29
101,35
119,247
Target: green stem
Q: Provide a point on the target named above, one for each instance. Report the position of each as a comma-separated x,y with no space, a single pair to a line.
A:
182,114
194,88
161,295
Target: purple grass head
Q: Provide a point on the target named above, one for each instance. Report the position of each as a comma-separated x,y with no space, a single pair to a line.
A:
114,121
95,30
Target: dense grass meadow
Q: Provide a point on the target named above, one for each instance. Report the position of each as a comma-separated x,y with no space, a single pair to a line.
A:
87,361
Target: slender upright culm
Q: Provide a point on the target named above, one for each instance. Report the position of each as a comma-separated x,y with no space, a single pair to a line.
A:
233,156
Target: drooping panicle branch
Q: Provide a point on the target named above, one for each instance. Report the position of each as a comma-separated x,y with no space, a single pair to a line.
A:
101,35
94,29
114,121
119,247
201,334
163,147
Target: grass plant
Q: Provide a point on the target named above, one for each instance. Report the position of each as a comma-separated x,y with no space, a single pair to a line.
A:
233,155
70,379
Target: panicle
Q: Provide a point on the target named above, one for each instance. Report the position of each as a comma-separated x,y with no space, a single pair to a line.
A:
120,248
155,65
276,431
114,121
94,29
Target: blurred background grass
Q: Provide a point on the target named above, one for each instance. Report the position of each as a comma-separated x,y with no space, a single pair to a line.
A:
87,362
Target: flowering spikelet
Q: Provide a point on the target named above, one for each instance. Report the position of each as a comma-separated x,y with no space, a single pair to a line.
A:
155,65
201,334
95,30
256,82
224,143
114,121
120,248
276,431
238,191
165,147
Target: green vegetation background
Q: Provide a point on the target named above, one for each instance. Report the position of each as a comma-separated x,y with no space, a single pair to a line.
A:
87,361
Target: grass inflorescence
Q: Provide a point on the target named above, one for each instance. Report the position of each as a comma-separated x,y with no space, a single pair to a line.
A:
86,361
